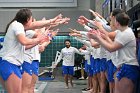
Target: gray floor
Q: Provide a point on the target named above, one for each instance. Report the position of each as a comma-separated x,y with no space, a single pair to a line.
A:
56,86
59,87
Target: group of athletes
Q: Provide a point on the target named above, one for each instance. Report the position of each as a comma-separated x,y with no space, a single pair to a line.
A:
110,51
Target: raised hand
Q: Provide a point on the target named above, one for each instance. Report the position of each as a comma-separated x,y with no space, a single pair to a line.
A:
93,34
54,33
75,34
62,21
98,15
98,24
74,31
83,20
93,13
52,21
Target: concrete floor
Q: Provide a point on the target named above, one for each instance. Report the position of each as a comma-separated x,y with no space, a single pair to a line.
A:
56,86
59,87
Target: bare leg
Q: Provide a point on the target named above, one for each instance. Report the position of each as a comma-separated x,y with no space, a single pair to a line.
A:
90,82
103,82
91,85
99,81
13,84
33,82
111,87
66,80
2,82
82,73
26,82
95,86
125,85
71,78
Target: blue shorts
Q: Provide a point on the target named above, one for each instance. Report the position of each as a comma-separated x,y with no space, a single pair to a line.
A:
93,67
7,68
0,58
111,69
69,70
90,71
0,61
86,66
35,67
103,66
129,71
26,67
98,65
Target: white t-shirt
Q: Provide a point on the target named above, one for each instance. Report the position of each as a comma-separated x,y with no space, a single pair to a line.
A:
114,57
97,53
28,54
87,55
103,52
13,50
85,42
127,54
92,50
108,55
68,54
36,54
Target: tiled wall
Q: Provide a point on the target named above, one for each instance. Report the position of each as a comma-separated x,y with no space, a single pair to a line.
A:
56,45
48,56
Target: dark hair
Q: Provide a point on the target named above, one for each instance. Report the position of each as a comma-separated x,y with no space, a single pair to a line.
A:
67,40
122,19
117,11
22,16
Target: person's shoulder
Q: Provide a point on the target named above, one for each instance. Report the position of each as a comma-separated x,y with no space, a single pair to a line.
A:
17,24
63,48
128,31
72,47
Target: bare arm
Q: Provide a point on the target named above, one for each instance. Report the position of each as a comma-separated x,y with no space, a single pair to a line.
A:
110,46
26,41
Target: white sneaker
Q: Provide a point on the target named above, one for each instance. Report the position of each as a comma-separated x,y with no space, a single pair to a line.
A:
35,90
67,87
81,78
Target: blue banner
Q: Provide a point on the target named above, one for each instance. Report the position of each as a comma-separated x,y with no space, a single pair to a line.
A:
105,3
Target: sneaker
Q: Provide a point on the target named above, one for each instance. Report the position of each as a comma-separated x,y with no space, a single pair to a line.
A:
66,87
35,90
81,78
86,89
90,91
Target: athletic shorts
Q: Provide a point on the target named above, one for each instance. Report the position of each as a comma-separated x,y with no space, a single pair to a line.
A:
35,67
111,69
88,69
7,68
86,66
96,66
129,71
0,61
26,67
69,70
103,66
